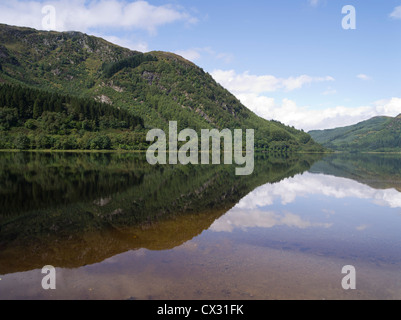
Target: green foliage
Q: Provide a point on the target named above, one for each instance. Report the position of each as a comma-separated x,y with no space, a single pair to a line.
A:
381,134
60,109
146,91
31,124
100,142
22,142
111,69
59,121
44,141
8,118
59,202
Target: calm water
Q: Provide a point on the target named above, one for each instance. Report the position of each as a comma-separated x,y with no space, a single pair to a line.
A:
117,228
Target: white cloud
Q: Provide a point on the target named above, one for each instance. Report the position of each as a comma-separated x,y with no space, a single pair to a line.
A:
363,77
251,91
388,107
255,210
247,83
287,191
81,15
396,14
126,43
288,112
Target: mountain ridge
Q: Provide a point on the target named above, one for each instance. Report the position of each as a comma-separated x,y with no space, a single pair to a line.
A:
157,86
378,134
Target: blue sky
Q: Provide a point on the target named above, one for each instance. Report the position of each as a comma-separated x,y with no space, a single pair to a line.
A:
289,60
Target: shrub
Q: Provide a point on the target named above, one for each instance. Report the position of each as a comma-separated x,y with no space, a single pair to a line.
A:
22,142
31,124
100,142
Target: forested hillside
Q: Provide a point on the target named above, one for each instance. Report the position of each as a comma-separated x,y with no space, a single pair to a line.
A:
34,119
156,87
379,134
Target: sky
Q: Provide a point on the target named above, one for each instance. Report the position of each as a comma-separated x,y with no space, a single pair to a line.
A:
294,61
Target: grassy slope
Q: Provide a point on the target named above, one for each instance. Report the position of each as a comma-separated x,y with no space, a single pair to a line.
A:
170,88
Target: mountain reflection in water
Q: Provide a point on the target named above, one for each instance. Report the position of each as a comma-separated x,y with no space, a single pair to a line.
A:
74,210
78,209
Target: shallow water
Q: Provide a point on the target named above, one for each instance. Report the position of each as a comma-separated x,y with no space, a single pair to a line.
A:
116,228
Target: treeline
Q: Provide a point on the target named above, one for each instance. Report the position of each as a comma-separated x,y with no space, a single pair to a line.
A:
39,140
20,106
35,119
110,69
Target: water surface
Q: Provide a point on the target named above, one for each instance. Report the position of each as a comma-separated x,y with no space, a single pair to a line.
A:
117,228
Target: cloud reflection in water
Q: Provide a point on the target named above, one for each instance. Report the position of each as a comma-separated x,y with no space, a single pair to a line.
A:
256,209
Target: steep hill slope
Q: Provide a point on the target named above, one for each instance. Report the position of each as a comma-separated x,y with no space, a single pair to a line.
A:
377,134
158,86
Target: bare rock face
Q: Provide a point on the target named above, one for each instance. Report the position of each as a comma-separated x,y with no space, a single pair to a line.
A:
150,77
104,99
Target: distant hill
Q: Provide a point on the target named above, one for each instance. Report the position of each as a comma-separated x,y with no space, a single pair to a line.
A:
155,87
379,134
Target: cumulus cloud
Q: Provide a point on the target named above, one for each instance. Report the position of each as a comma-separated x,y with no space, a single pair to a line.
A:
288,112
81,15
256,209
396,14
251,91
287,191
390,107
248,83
